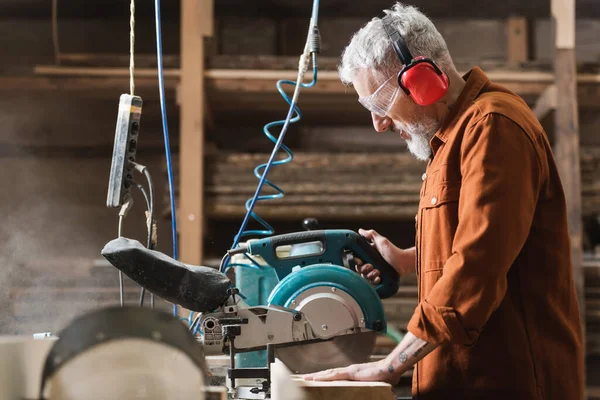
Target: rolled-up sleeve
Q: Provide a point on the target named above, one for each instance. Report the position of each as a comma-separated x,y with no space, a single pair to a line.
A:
501,176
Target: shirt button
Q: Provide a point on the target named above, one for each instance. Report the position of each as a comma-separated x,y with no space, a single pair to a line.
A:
424,176
433,200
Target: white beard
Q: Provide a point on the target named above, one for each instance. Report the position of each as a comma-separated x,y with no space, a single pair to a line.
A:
420,135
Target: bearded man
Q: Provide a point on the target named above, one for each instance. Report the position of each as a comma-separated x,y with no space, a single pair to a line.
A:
497,316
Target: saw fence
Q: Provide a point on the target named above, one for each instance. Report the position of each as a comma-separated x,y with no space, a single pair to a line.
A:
379,186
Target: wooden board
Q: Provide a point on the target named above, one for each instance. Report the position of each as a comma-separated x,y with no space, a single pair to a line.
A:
286,386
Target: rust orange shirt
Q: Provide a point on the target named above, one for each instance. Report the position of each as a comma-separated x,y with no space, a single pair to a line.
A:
496,287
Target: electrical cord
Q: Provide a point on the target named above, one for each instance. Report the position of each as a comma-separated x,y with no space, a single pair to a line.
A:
163,108
139,185
149,240
150,243
127,205
312,47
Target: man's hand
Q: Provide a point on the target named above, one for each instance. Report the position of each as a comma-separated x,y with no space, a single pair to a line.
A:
410,350
403,261
374,372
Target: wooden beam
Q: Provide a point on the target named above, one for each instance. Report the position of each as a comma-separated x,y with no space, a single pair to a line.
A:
116,60
566,147
51,70
517,40
196,22
497,73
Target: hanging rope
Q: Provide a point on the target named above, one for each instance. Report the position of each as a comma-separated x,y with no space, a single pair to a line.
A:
131,43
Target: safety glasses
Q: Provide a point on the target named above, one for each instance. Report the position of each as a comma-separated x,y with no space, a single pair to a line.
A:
381,100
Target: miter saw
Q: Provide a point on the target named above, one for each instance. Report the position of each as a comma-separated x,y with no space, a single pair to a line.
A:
321,314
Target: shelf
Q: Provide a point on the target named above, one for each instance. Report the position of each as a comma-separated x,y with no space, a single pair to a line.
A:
231,90
357,186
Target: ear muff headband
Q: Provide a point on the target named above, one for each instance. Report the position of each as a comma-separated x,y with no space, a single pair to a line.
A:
398,42
420,77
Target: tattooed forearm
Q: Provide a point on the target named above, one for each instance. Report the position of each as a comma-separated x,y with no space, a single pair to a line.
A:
410,350
418,351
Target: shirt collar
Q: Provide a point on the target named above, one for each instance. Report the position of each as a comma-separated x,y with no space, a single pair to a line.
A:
475,81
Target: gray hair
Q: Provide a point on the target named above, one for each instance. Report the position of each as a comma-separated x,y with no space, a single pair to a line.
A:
370,48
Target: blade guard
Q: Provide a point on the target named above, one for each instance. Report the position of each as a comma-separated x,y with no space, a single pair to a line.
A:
330,245
341,278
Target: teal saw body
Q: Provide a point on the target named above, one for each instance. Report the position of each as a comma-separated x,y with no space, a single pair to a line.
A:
331,280
345,310
314,272
330,246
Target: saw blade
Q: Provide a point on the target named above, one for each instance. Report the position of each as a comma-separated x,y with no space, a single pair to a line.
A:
340,351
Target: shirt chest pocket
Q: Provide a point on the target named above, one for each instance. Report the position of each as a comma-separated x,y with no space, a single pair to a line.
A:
439,220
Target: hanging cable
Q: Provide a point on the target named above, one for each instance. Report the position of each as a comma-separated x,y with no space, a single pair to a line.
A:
122,214
131,45
312,47
163,107
151,240
121,289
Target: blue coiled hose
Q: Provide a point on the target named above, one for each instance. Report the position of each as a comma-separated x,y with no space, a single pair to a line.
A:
250,204
293,116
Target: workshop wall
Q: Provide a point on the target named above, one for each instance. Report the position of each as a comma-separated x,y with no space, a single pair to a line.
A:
54,167
55,146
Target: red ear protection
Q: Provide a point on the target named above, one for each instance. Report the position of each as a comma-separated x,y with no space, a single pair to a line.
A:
423,81
421,78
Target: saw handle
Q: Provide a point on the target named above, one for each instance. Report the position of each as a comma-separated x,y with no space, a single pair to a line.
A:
390,280
298,238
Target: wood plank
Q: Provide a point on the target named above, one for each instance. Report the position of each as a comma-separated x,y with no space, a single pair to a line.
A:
517,40
220,83
563,12
286,386
566,147
116,60
194,17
